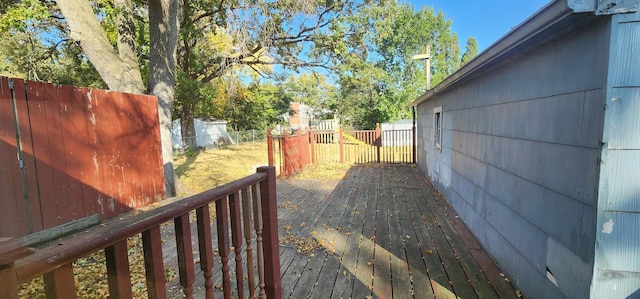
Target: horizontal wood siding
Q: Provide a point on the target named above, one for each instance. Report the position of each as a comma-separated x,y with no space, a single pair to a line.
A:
520,159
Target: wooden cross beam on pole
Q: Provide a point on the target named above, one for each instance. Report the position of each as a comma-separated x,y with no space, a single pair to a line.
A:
427,62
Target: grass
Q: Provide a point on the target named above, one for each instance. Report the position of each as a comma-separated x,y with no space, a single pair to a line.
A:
206,169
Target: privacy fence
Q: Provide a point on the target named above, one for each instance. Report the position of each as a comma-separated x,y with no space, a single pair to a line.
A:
298,150
70,152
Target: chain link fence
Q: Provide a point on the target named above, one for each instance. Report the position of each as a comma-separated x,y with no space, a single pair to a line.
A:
215,141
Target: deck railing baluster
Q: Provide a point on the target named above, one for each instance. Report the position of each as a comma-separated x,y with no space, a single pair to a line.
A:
222,220
257,222
246,219
118,273
185,254
205,245
59,283
153,263
236,239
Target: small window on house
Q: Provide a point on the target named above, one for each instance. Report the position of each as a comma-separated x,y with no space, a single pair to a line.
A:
437,128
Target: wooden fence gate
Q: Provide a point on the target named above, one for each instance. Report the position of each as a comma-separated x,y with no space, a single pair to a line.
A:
69,152
355,146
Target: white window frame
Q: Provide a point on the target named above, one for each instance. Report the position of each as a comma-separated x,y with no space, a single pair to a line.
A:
437,128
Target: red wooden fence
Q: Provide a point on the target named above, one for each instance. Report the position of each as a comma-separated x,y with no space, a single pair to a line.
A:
363,146
70,152
293,150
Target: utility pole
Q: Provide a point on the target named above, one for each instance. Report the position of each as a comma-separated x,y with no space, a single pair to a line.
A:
427,62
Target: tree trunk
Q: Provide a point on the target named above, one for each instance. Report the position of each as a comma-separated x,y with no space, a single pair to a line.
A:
164,16
120,72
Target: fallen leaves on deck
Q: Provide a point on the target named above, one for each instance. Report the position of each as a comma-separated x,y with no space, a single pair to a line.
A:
289,205
304,245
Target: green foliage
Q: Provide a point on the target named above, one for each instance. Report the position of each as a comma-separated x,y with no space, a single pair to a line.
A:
312,89
377,77
21,15
471,50
33,46
364,47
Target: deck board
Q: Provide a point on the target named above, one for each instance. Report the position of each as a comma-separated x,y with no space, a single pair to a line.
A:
385,232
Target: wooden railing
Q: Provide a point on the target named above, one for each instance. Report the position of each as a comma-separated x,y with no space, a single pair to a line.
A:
245,212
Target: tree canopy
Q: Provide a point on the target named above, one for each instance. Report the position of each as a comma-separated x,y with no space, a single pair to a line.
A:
239,60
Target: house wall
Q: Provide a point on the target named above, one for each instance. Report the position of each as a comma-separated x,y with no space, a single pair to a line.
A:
617,260
520,159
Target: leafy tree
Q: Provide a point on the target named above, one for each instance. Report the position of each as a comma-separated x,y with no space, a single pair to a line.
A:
314,90
377,77
471,50
220,37
105,31
247,107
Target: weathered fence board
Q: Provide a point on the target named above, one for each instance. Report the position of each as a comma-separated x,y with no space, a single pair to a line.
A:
84,151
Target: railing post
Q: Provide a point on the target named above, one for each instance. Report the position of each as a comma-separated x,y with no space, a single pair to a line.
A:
10,251
341,145
413,128
378,142
270,147
286,158
273,284
312,142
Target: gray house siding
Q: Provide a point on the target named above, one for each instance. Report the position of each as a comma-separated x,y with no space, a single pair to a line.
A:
520,158
617,259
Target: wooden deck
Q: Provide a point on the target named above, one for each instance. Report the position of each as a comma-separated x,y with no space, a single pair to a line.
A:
383,232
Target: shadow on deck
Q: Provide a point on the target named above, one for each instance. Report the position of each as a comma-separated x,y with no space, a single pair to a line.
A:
382,231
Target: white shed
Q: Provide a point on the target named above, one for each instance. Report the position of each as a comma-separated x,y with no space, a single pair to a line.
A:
210,132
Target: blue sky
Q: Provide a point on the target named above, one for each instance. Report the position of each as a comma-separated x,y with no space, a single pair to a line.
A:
486,20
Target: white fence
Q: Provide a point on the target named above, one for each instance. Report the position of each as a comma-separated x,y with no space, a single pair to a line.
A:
397,133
